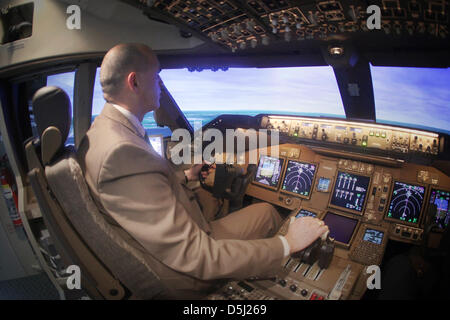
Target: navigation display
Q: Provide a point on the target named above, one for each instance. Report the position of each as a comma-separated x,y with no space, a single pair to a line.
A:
373,236
441,199
406,202
305,213
350,191
341,227
299,178
269,171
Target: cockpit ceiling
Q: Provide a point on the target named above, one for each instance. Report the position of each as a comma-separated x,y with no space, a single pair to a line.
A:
413,29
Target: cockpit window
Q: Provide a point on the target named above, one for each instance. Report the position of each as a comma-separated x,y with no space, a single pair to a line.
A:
416,97
250,91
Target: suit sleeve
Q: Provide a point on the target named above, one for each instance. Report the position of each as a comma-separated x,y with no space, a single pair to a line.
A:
140,198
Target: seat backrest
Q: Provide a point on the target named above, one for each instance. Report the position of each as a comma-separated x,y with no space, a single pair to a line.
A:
63,195
66,180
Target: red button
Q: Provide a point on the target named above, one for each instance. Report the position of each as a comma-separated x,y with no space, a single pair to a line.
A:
320,298
313,296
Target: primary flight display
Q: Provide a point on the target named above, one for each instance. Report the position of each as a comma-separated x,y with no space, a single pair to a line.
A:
269,171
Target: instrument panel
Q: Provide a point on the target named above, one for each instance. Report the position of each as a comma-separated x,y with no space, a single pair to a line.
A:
397,197
364,203
357,134
353,176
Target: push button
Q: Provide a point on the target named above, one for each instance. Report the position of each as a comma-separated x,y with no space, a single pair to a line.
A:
406,234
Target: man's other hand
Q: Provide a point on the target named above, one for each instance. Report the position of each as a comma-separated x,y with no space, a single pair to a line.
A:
303,232
193,173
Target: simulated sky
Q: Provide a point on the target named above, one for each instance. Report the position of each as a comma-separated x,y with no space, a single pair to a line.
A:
413,95
303,90
416,96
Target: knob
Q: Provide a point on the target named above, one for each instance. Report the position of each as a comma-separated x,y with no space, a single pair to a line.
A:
293,288
304,292
282,282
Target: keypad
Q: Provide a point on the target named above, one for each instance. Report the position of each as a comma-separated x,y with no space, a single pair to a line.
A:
367,253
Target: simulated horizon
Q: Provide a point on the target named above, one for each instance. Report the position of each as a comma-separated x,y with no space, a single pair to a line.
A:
415,97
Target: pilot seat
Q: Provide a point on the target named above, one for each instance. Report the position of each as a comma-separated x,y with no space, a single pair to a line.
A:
110,269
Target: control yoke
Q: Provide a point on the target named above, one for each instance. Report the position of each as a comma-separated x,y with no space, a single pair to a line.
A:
230,182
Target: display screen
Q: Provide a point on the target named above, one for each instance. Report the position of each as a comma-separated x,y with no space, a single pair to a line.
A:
157,144
373,236
305,213
323,185
341,228
350,191
406,202
299,177
441,199
269,171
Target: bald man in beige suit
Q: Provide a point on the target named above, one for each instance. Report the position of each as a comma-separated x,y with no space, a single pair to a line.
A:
149,203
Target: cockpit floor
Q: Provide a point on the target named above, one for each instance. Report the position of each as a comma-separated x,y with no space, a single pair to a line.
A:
37,287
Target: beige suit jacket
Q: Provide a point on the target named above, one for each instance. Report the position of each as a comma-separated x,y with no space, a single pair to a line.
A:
149,204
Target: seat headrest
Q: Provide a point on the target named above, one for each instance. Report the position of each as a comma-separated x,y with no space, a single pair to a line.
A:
52,113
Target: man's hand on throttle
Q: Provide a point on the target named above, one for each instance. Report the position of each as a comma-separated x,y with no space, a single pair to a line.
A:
303,232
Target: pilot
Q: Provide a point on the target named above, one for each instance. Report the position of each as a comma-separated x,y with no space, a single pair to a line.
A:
148,202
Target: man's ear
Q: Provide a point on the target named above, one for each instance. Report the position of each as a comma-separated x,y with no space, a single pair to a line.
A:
132,81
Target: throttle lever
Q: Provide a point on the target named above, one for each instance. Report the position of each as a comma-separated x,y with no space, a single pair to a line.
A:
311,253
326,251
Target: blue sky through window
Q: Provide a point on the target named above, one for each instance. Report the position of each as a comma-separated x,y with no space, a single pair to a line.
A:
416,96
305,90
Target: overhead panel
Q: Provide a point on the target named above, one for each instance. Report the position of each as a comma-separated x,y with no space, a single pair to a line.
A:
245,25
